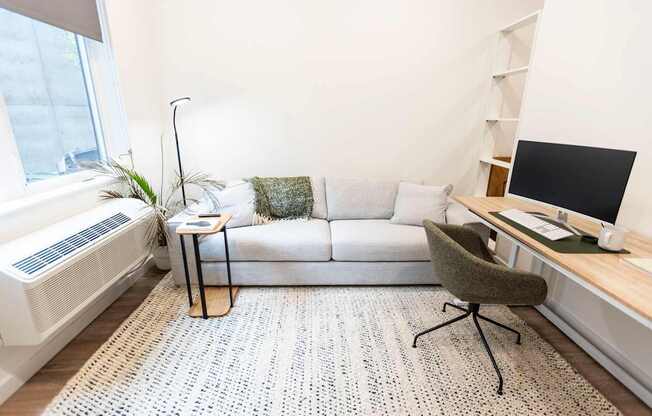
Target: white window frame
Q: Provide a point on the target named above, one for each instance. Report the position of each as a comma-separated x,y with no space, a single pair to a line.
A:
109,118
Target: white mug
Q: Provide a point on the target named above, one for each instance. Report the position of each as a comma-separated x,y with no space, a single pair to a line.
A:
612,238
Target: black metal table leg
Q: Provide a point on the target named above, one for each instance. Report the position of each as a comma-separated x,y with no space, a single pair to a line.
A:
200,277
185,269
228,267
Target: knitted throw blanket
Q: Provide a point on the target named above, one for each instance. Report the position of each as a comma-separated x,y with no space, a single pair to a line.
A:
282,198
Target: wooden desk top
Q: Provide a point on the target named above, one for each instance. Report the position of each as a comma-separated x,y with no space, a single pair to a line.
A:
217,223
607,272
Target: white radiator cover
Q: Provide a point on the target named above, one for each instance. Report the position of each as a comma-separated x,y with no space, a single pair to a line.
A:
34,307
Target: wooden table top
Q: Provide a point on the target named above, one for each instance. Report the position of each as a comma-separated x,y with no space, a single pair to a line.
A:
607,272
217,224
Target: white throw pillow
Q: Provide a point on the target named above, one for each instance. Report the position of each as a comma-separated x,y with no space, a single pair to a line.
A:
238,199
415,203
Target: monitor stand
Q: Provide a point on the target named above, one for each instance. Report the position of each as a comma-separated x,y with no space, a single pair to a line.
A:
560,221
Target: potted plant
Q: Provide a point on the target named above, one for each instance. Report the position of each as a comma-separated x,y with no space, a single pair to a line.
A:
164,205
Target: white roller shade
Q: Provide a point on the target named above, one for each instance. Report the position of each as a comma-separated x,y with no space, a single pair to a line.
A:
78,16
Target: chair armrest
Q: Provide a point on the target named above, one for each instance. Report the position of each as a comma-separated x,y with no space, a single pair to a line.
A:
509,286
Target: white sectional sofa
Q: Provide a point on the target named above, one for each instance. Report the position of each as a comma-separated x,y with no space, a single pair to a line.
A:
349,241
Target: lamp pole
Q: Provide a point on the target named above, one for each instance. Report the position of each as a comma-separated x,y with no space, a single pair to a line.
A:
175,104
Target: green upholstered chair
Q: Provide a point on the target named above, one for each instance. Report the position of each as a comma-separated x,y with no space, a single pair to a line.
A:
467,269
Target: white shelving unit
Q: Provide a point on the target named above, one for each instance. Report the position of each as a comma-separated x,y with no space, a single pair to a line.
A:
502,120
509,72
495,162
523,21
514,46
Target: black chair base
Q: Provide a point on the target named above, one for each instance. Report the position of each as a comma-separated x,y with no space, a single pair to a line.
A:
474,312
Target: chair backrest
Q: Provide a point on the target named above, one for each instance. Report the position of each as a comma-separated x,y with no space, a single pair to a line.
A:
456,253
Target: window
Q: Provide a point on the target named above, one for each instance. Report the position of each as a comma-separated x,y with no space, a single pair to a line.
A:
60,104
48,95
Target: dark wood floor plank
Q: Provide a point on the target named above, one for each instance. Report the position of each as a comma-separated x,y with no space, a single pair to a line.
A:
32,398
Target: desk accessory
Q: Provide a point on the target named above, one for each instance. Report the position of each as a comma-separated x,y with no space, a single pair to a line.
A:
589,239
612,238
544,228
199,223
574,244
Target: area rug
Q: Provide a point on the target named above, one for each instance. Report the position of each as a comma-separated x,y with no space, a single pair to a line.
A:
321,351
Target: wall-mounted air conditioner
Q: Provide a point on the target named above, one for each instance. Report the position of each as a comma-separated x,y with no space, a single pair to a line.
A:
49,276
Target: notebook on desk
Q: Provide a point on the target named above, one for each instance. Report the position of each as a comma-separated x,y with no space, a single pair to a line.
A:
644,264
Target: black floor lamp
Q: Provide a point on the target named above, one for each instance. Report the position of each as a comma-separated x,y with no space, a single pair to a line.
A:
175,104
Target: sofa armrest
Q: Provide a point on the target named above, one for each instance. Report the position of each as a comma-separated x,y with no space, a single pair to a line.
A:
174,246
458,214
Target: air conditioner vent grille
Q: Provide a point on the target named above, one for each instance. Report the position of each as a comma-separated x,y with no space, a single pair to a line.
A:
47,256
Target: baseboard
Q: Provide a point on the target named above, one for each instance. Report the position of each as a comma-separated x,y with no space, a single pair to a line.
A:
596,352
32,364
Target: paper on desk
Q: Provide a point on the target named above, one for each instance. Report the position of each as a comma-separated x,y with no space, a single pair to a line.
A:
644,264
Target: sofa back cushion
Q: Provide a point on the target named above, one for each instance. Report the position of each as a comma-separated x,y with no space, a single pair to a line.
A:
355,198
415,203
318,197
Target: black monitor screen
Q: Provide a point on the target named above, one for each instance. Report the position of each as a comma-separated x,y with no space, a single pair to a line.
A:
587,180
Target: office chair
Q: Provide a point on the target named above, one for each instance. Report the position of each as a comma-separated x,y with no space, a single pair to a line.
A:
467,270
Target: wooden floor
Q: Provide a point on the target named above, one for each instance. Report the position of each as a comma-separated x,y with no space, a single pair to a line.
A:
34,396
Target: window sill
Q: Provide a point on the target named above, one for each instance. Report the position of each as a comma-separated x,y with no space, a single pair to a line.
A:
41,198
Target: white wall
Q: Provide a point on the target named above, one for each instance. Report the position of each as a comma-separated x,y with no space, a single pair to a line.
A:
378,88
589,84
133,27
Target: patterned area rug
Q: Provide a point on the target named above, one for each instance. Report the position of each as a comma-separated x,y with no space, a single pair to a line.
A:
322,351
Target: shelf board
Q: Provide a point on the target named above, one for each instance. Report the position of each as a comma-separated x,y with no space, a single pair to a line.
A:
513,71
502,120
495,162
523,21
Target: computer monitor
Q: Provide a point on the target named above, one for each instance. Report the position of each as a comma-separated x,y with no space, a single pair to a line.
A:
587,180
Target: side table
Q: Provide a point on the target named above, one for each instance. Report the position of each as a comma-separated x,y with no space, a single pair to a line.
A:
215,305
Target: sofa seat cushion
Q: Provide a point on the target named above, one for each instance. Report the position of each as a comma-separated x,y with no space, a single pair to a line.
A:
378,240
293,240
